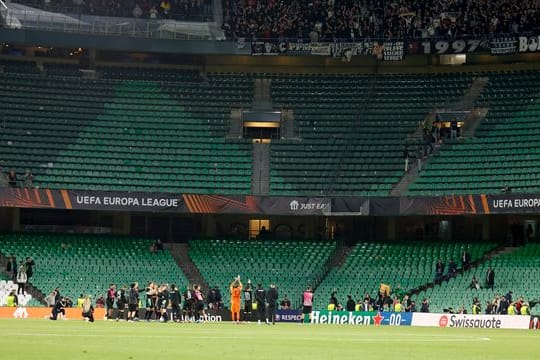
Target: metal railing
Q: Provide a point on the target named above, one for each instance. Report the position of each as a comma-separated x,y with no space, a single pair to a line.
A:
109,26
204,14
3,13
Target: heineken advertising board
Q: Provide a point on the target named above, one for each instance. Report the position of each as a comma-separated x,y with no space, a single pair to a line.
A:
361,318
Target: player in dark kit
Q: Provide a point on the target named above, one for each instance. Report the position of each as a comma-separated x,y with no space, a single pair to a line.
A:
121,302
248,301
271,298
198,303
162,302
260,298
133,302
174,296
151,300
188,304
109,302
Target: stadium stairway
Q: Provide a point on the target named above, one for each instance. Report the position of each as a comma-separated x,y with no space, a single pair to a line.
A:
180,254
338,258
504,149
37,296
461,271
472,121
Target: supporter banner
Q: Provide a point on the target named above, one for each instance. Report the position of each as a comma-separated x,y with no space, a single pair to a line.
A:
307,49
389,50
268,48
454,46
529,43
394,50
472,321
503,45
288,316
361,318
385,50
44,313
349,49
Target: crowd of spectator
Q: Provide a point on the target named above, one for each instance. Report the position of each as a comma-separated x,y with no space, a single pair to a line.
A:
11,179
147,9
327,20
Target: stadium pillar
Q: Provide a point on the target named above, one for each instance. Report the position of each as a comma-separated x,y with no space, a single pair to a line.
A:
209,225
6,222
391,226
485,228
122,223
16,219
91,58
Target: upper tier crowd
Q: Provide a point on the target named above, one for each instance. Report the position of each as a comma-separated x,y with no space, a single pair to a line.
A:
146,9
318,20
327,20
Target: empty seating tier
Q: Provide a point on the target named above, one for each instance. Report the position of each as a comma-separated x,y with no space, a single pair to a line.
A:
505,150
125,135
291,265
515,271
354,129
87,264
407,265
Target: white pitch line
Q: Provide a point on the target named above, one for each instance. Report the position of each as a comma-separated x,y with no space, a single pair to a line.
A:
194,336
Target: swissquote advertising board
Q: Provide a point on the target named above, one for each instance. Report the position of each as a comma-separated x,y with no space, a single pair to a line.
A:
472,321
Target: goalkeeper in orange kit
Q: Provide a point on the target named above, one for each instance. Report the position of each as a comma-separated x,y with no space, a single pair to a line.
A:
236,291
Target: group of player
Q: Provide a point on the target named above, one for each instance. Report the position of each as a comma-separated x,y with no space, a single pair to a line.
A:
157,299
189,305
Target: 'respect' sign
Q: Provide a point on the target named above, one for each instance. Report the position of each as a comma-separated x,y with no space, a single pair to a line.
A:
288,316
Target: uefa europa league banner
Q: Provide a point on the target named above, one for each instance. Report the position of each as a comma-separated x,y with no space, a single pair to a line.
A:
270,205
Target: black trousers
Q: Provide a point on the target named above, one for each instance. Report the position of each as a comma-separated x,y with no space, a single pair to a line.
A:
261,311
55,312
176,313
89,315
271,313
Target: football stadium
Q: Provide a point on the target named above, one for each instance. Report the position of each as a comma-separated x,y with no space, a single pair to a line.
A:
241,179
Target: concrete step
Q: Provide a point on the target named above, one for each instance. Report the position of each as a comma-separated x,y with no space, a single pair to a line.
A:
180,253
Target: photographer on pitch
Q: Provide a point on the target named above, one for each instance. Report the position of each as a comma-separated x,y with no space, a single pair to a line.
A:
59,309
88,309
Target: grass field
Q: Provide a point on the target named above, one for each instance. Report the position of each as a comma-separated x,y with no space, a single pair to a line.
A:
73,339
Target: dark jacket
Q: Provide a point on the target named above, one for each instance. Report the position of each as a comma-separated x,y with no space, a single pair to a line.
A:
272,297
260,296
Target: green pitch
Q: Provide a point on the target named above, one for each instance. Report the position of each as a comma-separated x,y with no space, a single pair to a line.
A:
72,339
